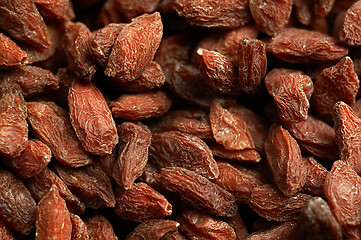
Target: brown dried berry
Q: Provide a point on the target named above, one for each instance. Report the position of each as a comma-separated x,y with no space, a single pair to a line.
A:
10,53
141,203
99,228
176,149
350,33
51,124
79,230
199,191
154,229
291,91
52,217
315,177
91,118
130,9
5,232
143,36
271,16
245,155
282,231
56,10
133,146
238,225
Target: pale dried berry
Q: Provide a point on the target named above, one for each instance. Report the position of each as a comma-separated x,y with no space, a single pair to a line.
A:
143,36
91,118
282,231
271,16
10,53
342,190
154,229
350,33
291,91
78,230
99,228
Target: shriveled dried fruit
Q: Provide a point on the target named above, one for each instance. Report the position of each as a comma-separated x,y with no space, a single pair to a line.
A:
32,160
347,128
218,71
56,10
141,203
271,204
303,11
10,53
342,190
133,145
22,20
271,16
91,118
316,221
315,177
142,105
130,9
238,180
228,129
5,232
176,149
199,225
285,160
224,14
99,228
291,91
51,124
252,64
238,225
153,229
13,125
79,230
198,191
18,207
40,185
245,155
350,33
305,46
90,184
336,83
76,43
143,36
52,217
282,231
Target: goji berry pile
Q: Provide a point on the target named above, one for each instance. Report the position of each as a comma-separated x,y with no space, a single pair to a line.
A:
180,119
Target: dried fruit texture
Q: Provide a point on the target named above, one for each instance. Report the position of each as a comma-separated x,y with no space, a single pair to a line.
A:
22,20
285,160
152,77
106,163
191,121
305,46
91,118
130,9
316,221
315,177
282,231
133,145
40,185
13,125
52,126
90,184
141,106
79,230
303,11
218,71
76,43
177,236
347,128
228,129
198,191
245,155
350,33
342,190
108,13
52,217
226,41
103,41
55,10
66,78
225,14
31,79
291,91
271,16
18,207
198,225
315,137
10,53
323,8
336,83
257,126
357,107
141,203
271,204
5,232
252,65
238,180
32,160
99,228
176,149
143,36
154,229
238,225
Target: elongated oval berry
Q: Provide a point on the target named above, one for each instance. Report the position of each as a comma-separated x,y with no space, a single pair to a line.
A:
350,33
